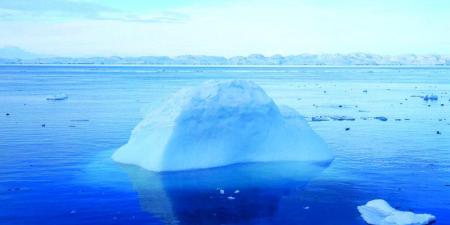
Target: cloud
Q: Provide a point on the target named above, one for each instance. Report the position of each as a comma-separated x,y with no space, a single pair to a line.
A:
63,10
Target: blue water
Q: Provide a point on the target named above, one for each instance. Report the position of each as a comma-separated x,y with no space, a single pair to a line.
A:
55,165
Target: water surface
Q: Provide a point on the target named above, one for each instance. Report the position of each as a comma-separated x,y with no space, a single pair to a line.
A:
55,165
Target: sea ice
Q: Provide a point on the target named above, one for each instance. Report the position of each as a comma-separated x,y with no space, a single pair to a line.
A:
381,118
219,124
342,118
379,212
57,97
320,118
430,97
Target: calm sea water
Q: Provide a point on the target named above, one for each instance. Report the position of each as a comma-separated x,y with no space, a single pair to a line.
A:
55,165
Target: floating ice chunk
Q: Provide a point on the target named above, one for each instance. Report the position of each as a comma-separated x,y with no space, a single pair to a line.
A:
57,97
430,97
219,124
342,118
379,212
320,118
381,118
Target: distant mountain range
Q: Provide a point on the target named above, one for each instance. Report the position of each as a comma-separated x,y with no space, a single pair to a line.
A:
13,55
16,53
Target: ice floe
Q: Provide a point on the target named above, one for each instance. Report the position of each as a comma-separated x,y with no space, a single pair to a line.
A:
430,97
57,97
342,118
379,212
320,118
381,118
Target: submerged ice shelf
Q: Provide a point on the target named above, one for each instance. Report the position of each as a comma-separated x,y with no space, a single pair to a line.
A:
218,124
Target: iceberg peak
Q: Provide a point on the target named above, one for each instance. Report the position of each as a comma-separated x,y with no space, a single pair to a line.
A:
218,124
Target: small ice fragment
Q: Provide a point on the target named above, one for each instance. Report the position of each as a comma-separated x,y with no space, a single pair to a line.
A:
381,118
57,97
319,118
342,118
231,198
236,192
73,212
306,207
379,212
81,120
221,191
430,97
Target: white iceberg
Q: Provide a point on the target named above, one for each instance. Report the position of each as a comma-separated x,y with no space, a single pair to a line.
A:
379,212
219,124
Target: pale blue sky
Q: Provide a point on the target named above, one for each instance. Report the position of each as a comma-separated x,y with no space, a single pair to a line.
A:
232,27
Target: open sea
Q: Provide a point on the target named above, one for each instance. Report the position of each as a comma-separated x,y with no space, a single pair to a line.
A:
55,165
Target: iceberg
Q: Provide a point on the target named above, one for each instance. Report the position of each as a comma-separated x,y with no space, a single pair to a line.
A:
379,212
218,124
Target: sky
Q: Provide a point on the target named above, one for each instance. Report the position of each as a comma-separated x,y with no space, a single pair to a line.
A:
225,27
